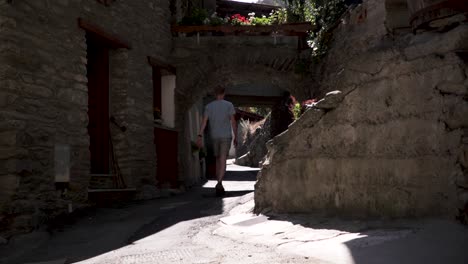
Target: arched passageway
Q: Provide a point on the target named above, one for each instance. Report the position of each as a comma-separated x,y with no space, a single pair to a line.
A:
254,71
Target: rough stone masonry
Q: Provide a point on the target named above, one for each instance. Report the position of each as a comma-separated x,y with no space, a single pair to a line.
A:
391,140
44,99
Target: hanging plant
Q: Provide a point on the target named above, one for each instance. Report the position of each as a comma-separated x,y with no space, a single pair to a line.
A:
324,14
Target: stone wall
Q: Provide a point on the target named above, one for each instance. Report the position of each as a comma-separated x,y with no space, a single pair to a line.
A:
43,99
392,142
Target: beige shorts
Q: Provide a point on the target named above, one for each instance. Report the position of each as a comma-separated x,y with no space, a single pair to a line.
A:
221,146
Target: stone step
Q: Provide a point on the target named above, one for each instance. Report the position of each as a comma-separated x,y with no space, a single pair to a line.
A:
105,197
101,181
101,175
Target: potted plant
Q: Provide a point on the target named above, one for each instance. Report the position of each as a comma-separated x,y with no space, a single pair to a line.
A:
157,115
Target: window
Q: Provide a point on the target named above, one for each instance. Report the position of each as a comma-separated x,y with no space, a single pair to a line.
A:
164,83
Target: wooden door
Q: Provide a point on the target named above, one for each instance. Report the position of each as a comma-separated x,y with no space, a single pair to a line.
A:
98,105
166,152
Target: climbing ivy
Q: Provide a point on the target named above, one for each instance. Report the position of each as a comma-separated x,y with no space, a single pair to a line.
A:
296,10
324,14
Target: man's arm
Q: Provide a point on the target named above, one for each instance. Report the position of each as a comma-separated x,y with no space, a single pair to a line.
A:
234,128
200,133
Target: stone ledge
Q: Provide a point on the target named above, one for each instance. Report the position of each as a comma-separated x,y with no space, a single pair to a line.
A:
111,190
453,88
331,100
294,29
437,43
236,40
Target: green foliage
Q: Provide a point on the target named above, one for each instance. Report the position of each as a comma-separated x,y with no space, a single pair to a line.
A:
310,11
215,20
260,21
295,10
263,111
198,16
297,111
279,16
324,14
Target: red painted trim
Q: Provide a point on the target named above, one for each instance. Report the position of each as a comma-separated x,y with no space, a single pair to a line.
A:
165,69
110,39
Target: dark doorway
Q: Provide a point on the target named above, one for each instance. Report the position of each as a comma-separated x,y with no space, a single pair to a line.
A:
166,151
98,103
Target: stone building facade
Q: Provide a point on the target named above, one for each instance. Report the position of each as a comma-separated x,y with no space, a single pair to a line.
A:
402,105
54,58
392,140
44,70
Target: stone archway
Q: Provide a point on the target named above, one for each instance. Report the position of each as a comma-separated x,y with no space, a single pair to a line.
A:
265,64
201,67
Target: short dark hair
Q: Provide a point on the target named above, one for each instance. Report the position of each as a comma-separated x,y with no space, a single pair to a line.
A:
219,90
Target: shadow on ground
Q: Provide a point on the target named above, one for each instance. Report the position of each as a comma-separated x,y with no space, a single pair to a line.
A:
434,242
250,175
403,241
102,230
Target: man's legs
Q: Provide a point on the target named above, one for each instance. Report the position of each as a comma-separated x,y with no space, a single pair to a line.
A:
220,167
223,147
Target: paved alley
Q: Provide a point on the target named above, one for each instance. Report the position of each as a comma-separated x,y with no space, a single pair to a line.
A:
168,230
197,227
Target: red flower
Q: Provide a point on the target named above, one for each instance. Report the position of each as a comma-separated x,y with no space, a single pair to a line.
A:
237,18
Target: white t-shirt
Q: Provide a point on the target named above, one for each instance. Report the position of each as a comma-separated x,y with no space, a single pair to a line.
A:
219,113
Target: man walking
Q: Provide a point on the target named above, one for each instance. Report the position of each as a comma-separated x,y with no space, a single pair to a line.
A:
223,128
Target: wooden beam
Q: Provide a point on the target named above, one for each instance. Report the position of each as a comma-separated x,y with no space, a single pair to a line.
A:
228,8
251,100
110,39
248,115
164,68
291,28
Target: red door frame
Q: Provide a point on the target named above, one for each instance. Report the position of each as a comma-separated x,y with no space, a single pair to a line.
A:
99,43
98,104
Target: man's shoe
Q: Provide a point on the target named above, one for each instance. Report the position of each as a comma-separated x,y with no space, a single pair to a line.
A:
219,190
